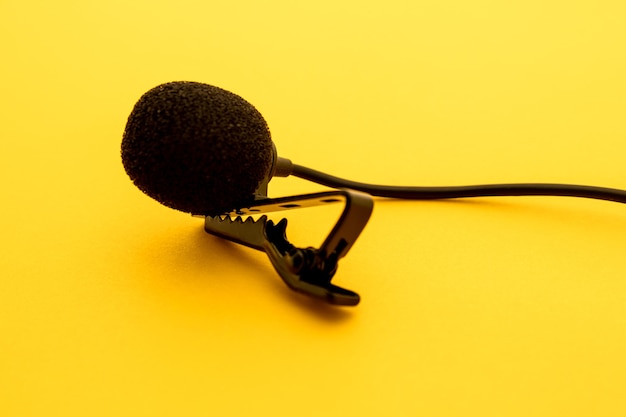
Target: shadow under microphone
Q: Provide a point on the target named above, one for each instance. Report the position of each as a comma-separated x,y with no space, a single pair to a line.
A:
203,150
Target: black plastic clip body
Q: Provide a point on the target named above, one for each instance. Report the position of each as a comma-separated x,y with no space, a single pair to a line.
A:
305,270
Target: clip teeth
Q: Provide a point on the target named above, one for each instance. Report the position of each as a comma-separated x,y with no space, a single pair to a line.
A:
225,218
248,232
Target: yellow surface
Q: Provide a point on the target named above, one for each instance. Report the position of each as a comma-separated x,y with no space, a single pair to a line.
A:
111,304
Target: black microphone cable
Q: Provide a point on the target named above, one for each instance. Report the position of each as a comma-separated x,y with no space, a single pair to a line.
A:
440,193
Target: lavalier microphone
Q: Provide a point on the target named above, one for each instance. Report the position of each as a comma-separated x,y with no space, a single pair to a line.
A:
203,150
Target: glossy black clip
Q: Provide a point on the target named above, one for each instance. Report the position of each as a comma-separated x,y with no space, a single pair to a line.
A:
305,270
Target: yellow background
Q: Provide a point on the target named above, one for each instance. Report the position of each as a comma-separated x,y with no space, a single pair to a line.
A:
111,304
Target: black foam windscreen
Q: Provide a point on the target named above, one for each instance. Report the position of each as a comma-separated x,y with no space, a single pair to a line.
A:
197,148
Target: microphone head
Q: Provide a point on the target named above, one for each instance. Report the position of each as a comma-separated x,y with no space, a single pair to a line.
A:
197,148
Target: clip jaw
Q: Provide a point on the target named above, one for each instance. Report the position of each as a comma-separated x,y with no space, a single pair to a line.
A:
305,270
